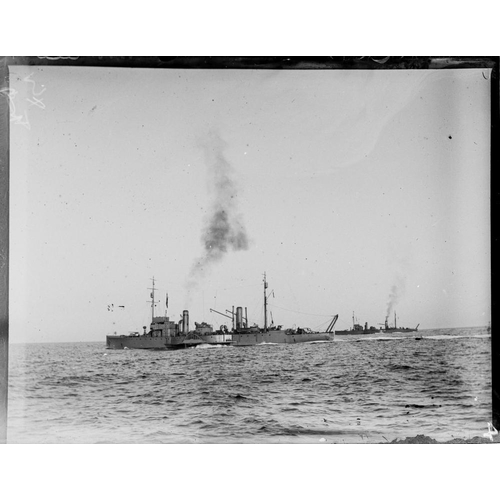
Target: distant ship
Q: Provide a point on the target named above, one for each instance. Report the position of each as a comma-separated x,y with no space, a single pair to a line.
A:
244,335
166,334
395,328
357,329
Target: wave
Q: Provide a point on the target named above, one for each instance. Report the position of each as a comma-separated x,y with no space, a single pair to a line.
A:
268,395
400,367
210,346
446,337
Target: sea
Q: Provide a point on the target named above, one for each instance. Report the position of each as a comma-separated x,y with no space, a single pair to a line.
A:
373,388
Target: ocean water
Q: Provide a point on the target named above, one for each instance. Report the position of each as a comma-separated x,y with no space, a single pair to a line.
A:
356,389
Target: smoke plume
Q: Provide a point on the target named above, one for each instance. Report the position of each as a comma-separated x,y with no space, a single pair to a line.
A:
396,293
224,229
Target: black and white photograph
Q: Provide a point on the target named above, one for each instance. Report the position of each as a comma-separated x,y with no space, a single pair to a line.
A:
238,255
248,251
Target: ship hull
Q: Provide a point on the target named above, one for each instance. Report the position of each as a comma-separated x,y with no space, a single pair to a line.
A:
278,337
143,342
354,332
164,343
215,339
398,330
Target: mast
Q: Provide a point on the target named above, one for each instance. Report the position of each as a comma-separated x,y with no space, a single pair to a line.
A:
395,325
152,295
265,304
353,320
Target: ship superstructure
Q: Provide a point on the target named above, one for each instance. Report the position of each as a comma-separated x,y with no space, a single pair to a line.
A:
166,334
245,335
395,328
357,329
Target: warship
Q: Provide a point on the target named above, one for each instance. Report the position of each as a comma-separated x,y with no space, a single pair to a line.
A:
395,328
245,335
166,334
358,329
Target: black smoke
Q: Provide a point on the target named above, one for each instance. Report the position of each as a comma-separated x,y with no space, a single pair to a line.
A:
223,230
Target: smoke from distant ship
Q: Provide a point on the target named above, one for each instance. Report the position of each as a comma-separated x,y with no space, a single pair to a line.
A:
224,230
396,293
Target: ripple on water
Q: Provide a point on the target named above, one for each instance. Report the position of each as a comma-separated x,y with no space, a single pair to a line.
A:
342,392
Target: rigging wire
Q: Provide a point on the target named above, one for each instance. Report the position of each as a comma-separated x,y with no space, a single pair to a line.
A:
242,286
300,312
318,327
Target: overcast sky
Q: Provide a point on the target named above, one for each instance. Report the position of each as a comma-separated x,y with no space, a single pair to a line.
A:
363,191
